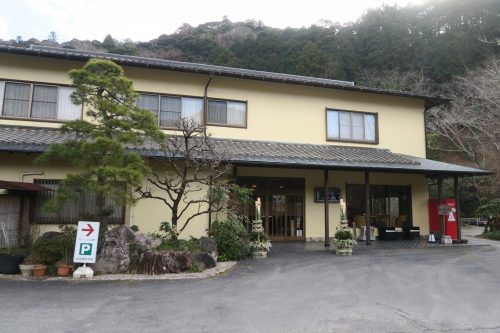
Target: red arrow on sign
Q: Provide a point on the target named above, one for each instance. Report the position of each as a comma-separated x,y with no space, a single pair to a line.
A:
89,229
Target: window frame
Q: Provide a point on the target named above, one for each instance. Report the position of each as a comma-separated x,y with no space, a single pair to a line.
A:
375,114
32,85
158,105
227,100
204,111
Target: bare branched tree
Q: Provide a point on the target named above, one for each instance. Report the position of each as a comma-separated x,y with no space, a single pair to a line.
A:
191,178
470,124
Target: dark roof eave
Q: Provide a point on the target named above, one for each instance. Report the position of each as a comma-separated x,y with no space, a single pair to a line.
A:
295,165
70,54
27,139
428,173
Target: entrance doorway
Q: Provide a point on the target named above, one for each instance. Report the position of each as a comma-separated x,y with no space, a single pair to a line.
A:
282,206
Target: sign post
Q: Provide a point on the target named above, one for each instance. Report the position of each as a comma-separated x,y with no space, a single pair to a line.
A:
86,247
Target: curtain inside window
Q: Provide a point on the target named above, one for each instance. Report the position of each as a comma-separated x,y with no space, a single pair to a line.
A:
358,127
2,89
148,102
73,209
236,113
44,103
217,113
345,125
333,129
66,110
370,131
193,108
16,99
170,111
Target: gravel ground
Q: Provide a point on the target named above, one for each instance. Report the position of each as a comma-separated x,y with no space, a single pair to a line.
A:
221,268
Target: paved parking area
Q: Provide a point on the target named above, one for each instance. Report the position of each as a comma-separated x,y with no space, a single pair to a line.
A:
400,290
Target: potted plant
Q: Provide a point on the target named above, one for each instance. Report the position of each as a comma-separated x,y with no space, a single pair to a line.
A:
344,241
259,242
10,260
64,266
39,270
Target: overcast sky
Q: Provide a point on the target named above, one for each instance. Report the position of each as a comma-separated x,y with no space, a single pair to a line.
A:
147,19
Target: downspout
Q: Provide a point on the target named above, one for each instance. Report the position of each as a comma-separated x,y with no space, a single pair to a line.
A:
205,117
425,133
205,104
30,173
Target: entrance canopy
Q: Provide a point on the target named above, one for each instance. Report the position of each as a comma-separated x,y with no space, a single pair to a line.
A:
21,186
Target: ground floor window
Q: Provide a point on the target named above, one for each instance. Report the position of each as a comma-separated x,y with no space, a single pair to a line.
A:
73,210
389,205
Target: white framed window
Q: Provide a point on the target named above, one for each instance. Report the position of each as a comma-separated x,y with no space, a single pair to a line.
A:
351,126
170,109
37,101
227,113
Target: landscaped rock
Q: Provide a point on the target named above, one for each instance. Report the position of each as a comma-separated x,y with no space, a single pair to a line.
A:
119,245
208,245
161,262
204,260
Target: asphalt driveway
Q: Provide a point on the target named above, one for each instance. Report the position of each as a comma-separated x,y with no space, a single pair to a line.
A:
415,290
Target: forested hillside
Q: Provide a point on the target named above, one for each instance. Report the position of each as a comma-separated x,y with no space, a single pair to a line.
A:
443,38
446,47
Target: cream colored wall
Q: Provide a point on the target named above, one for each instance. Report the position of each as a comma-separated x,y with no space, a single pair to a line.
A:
276,111
314,212
149,213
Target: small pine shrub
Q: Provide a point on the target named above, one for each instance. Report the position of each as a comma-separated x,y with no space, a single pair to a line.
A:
231,238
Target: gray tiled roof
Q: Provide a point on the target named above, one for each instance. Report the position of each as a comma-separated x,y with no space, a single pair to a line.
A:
263,153
71,54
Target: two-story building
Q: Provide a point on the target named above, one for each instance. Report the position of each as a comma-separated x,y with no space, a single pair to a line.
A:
292,139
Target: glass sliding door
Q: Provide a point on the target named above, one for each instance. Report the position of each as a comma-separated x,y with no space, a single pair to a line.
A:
282,206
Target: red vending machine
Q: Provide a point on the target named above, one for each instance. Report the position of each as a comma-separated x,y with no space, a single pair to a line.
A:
450,219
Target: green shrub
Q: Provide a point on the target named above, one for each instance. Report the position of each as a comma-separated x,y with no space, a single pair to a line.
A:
192,245
343,234
492,235
195,268
231,238
58,248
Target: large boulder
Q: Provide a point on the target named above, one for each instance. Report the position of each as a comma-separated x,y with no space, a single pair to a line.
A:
161,262
118,246
204,260
209,245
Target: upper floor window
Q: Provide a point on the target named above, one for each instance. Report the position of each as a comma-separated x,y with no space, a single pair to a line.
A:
228,113
351,126
37,101
170,109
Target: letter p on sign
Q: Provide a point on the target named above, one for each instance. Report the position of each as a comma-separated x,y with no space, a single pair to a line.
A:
85,249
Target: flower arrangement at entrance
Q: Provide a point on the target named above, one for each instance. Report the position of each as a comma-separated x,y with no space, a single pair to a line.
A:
344,241
259,243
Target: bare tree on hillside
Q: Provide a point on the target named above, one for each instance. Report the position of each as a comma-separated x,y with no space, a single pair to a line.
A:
470,124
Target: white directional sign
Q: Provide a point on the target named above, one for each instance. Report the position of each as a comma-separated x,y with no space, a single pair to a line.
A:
86,242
